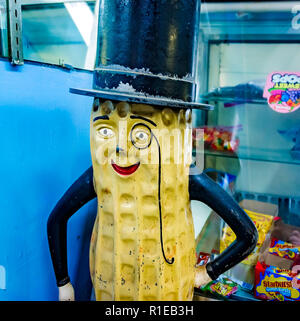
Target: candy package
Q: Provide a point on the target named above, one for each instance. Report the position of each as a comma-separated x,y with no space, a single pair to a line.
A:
263,224
222,287
218,138
275,284
283,249
277,276
203,258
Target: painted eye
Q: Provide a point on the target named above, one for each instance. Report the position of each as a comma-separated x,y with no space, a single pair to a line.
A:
106,132
141,136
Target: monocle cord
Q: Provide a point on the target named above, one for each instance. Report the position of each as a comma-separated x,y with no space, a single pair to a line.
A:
159,204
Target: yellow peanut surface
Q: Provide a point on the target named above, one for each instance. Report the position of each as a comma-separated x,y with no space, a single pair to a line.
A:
126,256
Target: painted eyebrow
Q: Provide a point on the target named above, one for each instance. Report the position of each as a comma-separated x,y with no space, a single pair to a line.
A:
101,117
143,118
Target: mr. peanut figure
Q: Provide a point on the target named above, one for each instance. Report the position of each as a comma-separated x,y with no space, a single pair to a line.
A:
142,245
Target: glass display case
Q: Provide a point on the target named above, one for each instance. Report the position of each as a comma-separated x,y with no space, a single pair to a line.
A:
60,32
55,32
251,148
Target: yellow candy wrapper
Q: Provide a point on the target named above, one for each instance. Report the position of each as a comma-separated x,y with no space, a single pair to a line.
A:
263,224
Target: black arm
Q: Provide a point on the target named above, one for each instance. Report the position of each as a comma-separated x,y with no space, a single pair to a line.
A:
204,189
81,192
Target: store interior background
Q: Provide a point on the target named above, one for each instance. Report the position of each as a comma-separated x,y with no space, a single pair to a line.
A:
45,129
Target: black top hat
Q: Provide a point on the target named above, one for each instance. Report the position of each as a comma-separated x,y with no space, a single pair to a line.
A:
145,52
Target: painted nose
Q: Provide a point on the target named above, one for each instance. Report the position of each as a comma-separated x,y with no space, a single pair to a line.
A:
119,149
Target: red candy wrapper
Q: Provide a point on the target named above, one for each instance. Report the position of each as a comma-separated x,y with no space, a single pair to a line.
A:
203,258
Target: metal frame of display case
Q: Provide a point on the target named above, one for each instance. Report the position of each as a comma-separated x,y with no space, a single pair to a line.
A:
14,34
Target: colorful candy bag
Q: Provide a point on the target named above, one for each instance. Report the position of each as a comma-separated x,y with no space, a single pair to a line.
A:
283,249
222,286
263,224
274,284
219,138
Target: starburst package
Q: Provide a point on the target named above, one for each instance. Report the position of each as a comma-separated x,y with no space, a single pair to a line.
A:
275,284
277,276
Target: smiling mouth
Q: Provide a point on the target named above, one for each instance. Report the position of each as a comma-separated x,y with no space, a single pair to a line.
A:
125,170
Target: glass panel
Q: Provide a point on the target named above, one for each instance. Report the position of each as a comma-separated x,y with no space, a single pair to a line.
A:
62,33
252,148
3,29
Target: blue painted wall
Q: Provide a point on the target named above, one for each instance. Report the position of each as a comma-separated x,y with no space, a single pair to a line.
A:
44,135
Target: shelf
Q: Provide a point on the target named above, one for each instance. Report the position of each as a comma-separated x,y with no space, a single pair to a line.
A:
261,155
234,100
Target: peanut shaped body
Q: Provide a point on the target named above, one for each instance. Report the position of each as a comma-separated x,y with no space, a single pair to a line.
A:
142,245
